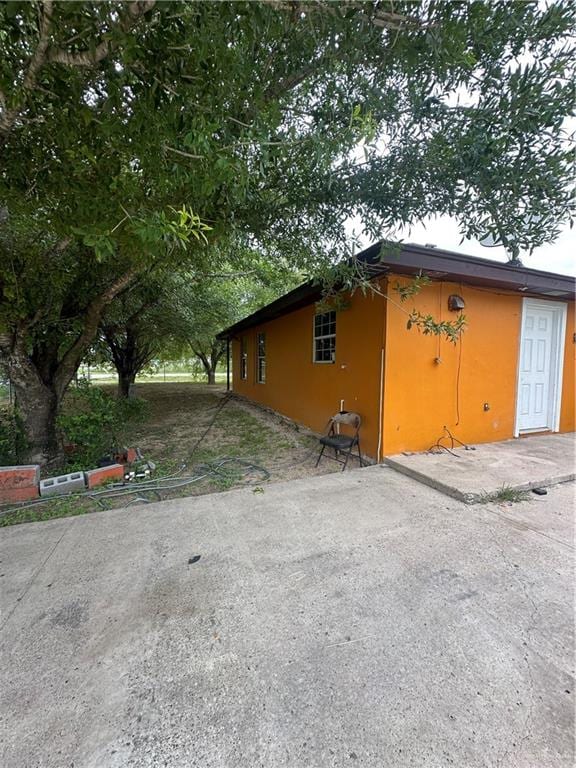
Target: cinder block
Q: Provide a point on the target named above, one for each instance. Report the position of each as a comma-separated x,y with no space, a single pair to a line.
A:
19,483
53,486
18,494
101,475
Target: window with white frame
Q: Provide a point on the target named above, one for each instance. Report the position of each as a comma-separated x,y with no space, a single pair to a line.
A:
261,358
325,337
243,358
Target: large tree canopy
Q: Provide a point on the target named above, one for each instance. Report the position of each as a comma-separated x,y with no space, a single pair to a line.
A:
199,311
173,315
131,131
134,329
251,114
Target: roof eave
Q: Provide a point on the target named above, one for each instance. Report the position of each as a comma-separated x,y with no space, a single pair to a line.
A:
437,264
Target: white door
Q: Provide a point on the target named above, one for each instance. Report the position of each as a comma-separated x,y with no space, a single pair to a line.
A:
540,365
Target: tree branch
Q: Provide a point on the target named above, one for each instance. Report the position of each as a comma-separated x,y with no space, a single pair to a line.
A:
383,19
80,58
200,355
45,54
91,57
72,357
377,18
9,116
184,154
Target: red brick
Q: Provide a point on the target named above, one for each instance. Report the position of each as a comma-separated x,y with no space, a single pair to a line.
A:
101,475
24,476
19,494
127,457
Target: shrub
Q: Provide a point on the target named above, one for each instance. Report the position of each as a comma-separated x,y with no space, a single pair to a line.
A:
13,441
95,422
87,421
132,409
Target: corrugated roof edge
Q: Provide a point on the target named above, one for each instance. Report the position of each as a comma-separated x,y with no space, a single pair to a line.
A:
435,262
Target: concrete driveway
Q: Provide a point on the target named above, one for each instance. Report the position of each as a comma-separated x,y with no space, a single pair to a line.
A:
358,619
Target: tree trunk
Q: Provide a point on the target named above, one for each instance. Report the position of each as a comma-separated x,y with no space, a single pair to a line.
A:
39,385
209,367
129,352
38,407
210,359
125,379
40,378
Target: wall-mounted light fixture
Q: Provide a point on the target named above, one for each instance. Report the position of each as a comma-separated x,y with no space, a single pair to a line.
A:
456,303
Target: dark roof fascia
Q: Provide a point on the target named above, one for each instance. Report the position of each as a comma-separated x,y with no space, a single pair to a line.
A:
458,267
438,264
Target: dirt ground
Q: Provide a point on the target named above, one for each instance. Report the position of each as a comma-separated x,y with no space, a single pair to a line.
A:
203,440
195,423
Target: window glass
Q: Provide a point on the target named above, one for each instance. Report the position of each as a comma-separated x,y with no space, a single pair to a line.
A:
261,358
325,337
243,358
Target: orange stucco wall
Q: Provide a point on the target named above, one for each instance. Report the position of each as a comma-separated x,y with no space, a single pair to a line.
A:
431,383
428,383
311,392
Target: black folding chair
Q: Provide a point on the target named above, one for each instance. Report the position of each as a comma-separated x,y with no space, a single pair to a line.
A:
342,435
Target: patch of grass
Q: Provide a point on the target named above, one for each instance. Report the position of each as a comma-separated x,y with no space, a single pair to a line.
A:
508,494
227,478
167,467
252,437
166,425
51,510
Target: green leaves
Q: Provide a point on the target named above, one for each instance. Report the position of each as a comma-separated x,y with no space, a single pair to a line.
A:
192,129
93,423
450,329
412,288
251,117
187,224
173,229
102,243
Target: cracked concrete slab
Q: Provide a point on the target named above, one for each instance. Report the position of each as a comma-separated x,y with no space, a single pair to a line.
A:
471,475
356,619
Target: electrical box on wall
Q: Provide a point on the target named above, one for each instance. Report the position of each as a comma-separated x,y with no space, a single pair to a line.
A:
456,303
